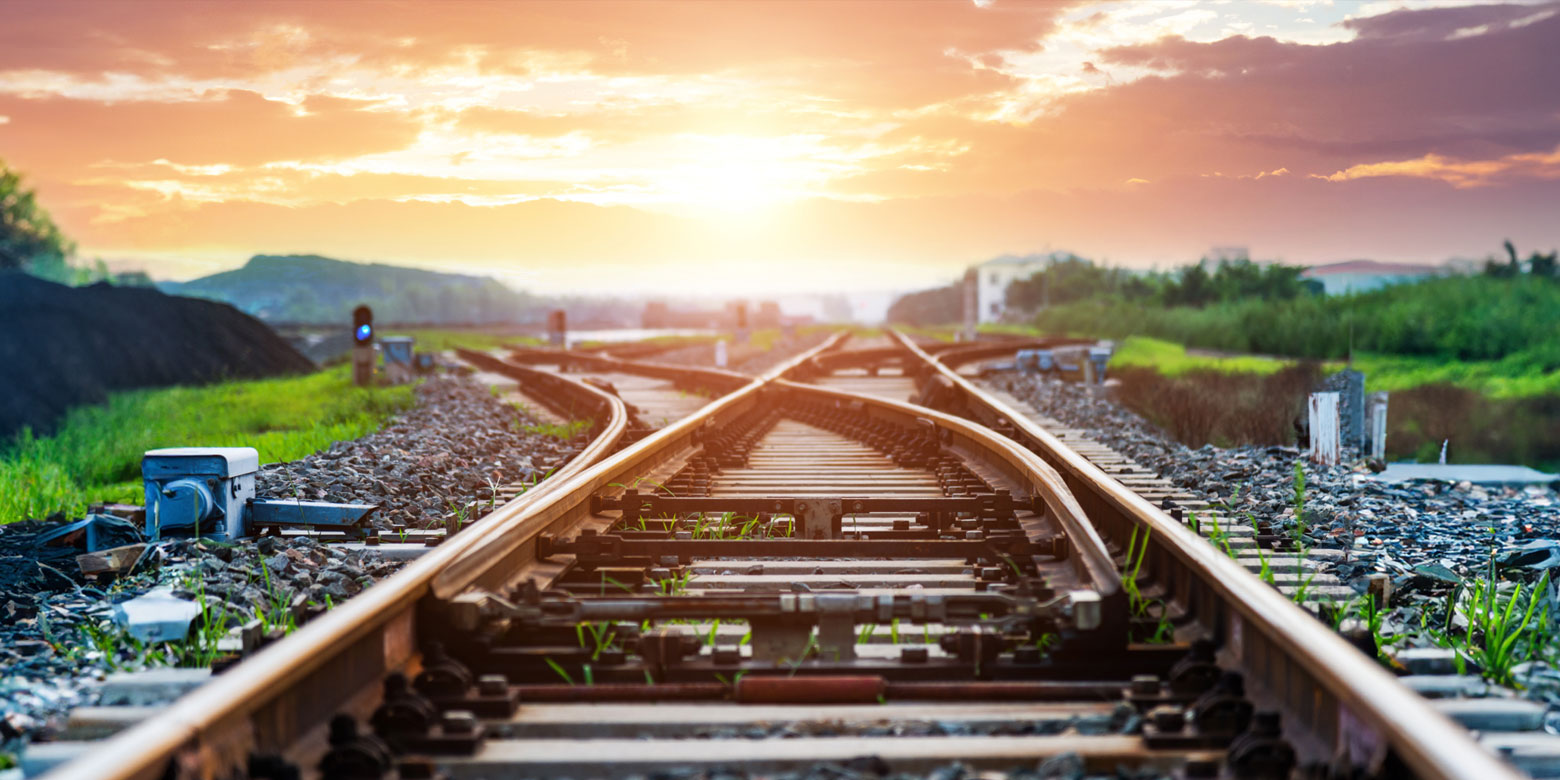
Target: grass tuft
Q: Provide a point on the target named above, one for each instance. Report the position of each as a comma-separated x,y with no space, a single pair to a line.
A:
95,455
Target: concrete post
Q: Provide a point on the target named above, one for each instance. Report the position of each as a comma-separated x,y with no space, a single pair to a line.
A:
720,354
1324,428
971,303
558,328
363,364
1376,424
739,313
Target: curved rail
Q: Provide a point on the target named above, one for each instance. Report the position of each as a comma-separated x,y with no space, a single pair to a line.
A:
1023,466
1348,701
717,379
289,689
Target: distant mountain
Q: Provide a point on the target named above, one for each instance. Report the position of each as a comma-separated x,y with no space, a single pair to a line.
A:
314,289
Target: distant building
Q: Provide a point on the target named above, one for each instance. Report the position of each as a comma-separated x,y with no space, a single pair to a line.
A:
1357,276
1226,254
993,277
768,315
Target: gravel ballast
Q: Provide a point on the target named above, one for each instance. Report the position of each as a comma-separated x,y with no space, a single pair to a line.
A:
451,449
456,446
1431,538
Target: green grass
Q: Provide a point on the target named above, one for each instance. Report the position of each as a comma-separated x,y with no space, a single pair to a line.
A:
1516,376
562,431
440,339
1172,359
95,455
1512,377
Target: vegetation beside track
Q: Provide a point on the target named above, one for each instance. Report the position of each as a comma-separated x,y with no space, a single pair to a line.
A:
96,453
441,339
1505,410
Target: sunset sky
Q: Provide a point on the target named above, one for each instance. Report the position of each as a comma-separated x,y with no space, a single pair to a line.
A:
783,146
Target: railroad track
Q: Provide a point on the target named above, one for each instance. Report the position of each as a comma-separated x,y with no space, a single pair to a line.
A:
796,573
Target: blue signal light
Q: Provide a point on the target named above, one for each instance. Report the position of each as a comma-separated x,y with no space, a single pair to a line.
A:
365,332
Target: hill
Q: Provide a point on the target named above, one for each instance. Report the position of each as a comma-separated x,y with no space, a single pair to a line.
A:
314,289
68,346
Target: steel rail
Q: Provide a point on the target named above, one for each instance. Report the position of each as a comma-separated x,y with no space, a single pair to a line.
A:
291,688
959,354
1342,697
718,378
1023,466
554,387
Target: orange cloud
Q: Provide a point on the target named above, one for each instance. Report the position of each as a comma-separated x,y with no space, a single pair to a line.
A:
904,138
1460,173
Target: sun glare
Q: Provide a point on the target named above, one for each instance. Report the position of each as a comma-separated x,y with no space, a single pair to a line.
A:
739,174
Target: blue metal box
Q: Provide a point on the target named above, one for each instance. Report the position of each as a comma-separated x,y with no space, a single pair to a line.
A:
198,491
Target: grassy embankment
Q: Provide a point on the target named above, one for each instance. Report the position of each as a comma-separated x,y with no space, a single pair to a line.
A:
95,454
1504,410
440,339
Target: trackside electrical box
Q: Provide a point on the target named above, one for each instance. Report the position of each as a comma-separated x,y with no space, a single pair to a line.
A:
199,491
398,352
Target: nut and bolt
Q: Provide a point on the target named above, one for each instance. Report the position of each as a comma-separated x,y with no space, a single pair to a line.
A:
493,685
459,722
1168,720
1145,685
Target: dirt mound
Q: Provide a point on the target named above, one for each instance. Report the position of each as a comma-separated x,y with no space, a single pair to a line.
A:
66,346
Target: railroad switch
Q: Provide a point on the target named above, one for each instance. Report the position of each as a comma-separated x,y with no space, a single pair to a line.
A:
974,646
666,647
594,551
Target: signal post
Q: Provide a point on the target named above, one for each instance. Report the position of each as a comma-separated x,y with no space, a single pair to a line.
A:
363,346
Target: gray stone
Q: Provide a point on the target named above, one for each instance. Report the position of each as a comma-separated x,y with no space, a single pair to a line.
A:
1494,714
157,616
151,686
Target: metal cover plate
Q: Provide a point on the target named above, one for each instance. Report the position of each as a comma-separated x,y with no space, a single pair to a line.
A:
199,461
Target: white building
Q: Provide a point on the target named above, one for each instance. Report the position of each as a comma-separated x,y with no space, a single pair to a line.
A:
994,276
1357,276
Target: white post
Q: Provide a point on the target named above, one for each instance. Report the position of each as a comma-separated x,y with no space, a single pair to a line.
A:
1378,425
971,296
1324,428
720,354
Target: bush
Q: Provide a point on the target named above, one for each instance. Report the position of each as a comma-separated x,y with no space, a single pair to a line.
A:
1461,318
1214,407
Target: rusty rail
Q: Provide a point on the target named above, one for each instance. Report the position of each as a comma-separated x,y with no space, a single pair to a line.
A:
1338,695
285,693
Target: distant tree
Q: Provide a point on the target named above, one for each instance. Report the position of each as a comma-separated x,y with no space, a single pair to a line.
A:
1543,266
1194,287
133,279
1508,270
29,239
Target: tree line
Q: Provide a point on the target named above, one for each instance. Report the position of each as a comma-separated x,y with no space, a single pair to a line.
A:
1075,279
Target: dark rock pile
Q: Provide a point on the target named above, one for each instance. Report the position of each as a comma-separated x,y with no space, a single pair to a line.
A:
456,446
80,343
